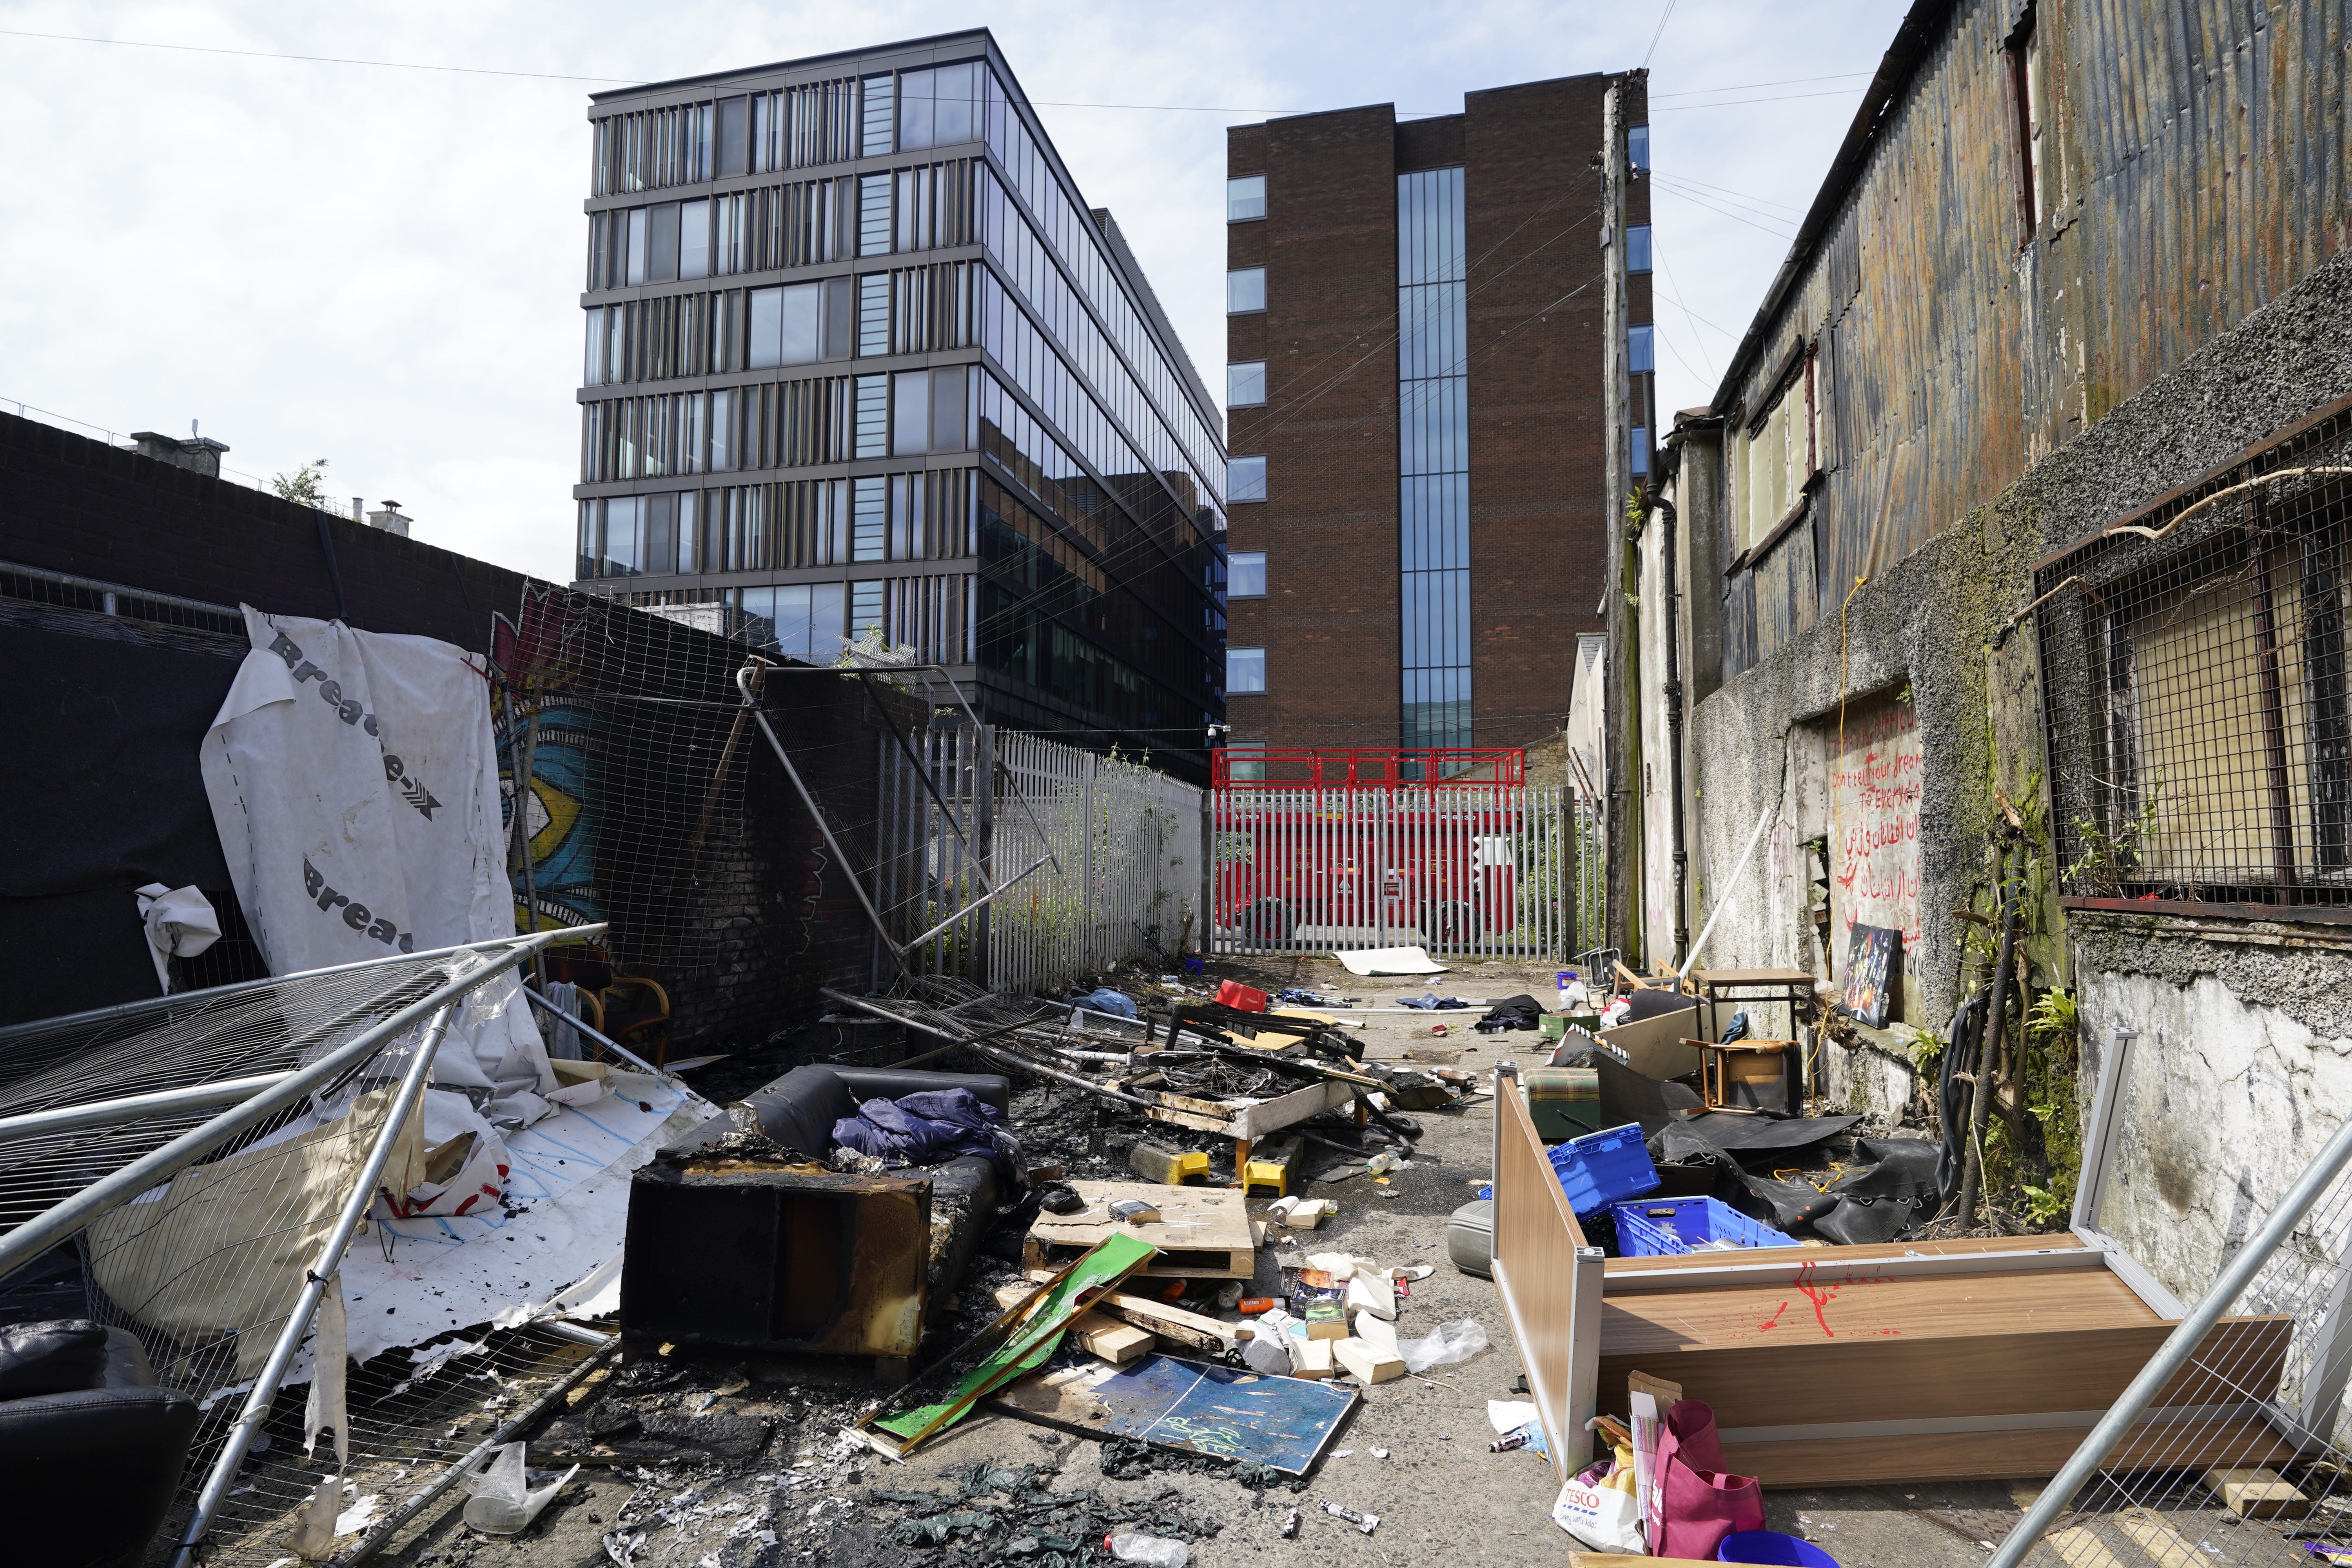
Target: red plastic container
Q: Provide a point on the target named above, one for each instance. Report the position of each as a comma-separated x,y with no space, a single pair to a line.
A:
1242,998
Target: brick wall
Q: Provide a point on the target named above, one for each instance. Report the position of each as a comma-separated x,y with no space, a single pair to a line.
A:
1539,514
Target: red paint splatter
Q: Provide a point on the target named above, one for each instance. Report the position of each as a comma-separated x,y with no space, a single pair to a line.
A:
1773,1320
1821,1296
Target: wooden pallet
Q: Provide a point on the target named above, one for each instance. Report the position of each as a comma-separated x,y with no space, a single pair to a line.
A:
1202,1233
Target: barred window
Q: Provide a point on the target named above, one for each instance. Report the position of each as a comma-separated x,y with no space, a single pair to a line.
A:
2195,689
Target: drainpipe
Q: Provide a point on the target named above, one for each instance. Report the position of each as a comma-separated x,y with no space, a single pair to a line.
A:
1673,692
1981,1090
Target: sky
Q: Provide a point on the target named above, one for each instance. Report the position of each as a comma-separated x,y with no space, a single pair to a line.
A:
381,266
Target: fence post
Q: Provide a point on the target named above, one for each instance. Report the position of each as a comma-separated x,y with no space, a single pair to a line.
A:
983,848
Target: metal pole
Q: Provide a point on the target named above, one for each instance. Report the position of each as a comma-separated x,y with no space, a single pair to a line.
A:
45,1230
598,1036
2177,1349
195,1001
134,1106
248,1420
1739,874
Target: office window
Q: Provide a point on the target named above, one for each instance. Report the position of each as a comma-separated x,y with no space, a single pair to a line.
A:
636,273
869,519
734,139
1245,670
1245,384
1246,575
936,108
1245,198
1637,146
661,243
767,329
694,239
872,418
866,609
1641,349
1637,247
910,414
1641,451
1244,291
592,371
874,214
1245,478
621,547
951,408
1245,762
722,435
802,320
588,552
874,313
881,111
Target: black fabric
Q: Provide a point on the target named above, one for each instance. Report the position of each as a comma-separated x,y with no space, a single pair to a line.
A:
1963,1037
1879,1201
1652,1003
55,1357
100,789
1520,1012
1765,1134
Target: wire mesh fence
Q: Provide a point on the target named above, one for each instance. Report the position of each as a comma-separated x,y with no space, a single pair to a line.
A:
1091,861
2240,1458
1472,870
2197,693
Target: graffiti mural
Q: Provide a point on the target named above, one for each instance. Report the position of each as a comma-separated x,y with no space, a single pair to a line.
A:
550,738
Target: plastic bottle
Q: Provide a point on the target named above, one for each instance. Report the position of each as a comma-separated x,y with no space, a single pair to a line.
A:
1129,1547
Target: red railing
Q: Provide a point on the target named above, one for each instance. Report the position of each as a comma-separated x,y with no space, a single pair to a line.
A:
1342,767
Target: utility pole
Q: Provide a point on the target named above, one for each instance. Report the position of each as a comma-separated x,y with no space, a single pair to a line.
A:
1623,739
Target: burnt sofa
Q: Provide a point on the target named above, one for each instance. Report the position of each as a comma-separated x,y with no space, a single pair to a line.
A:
784,1256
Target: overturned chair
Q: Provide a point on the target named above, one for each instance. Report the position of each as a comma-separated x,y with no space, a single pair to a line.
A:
769,1256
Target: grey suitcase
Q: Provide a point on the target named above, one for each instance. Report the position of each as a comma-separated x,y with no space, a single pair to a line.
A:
1470,1237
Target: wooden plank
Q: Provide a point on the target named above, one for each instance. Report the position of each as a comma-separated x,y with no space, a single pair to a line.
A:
1869,1252
1252,1122
1190,1329
1925,1376
1202,1233
1284,1422
1999,1455
2257,1493
1535,1241
1114,1341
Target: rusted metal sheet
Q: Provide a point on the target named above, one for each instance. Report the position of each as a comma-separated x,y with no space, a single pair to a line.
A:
2192,170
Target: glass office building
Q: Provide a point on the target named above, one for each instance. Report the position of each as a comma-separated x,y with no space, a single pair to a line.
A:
860,358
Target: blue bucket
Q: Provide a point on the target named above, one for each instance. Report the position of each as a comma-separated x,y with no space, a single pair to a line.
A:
1771,1546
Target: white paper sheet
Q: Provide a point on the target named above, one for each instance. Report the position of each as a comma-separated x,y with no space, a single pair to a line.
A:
1390,961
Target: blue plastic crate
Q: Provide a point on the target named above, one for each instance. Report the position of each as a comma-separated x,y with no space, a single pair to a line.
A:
1601,1168
1644,1231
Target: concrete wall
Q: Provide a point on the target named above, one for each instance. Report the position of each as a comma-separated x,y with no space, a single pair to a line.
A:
2249,1074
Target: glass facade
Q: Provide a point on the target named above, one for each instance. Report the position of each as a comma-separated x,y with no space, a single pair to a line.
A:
892,331
1434,460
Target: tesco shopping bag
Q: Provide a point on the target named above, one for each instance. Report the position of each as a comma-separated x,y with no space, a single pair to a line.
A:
1697,1502
1599,1513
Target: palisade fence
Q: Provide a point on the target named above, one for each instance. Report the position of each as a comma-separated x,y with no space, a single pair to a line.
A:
1469,869
1093,860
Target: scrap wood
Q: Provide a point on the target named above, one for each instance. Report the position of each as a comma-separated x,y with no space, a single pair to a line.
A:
1018,1342
1014,1060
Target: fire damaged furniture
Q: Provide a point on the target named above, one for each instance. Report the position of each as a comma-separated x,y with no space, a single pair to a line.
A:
85,1431
780,1254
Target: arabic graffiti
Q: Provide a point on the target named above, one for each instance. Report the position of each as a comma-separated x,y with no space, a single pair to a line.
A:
1874,822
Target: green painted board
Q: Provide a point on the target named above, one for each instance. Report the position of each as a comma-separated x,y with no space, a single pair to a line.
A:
1032,1341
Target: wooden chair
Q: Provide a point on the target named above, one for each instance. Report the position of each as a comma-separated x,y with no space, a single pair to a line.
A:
632,1009
1754,1065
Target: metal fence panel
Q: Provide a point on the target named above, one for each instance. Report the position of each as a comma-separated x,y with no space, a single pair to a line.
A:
1096,861
1475,870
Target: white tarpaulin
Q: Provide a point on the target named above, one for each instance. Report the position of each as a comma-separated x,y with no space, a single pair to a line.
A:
1390,961
354,781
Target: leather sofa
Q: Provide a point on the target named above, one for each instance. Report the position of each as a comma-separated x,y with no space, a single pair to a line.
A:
90,1448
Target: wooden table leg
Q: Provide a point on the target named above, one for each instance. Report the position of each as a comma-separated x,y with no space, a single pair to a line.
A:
1241,1165
1363,1114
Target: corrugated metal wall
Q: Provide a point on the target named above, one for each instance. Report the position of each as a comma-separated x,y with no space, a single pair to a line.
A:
2198,173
